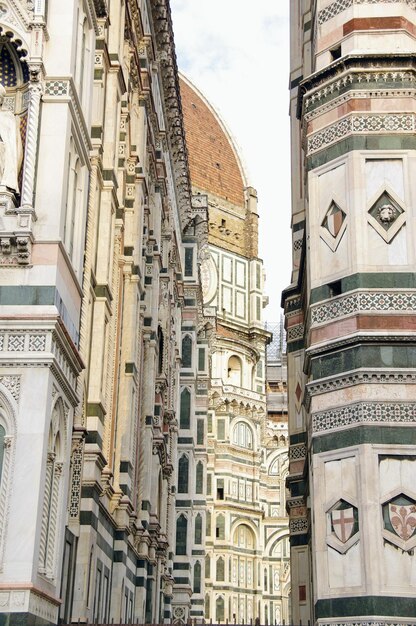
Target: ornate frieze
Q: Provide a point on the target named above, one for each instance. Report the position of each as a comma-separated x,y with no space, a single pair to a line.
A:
335,8
363,413
358,378
363,301
355,124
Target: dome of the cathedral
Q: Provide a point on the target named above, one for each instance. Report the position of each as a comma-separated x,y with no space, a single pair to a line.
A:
214,164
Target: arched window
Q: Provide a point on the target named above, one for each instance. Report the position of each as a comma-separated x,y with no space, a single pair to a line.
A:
181,534
244,537
183,474
219,606
185,416
199,478
207,606
208,524
197,577
198,529
207,566
220,527
243,435
234,371
220,573
52,489
187,351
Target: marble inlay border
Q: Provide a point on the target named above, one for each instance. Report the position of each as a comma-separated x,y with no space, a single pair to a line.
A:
364,412
390,123
341,5
398,302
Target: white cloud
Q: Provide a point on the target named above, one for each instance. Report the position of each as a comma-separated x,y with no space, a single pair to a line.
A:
237,53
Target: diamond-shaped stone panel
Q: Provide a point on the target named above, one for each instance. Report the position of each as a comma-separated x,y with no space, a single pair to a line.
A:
385,210
334,219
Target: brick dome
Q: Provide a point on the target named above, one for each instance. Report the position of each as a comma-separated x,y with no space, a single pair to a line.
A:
213,160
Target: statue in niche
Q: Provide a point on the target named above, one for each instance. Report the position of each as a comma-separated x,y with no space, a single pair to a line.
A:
11,151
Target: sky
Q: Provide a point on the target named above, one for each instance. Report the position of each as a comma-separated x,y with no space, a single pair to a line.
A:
237,53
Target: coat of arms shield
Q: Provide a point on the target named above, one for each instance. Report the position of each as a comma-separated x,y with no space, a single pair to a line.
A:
343,523
403,519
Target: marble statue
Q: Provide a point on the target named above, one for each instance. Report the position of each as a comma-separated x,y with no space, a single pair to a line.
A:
11,152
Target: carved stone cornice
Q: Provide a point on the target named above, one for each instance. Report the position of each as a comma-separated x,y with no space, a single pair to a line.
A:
166,57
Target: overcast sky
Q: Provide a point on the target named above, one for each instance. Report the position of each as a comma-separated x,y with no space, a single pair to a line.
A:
237,53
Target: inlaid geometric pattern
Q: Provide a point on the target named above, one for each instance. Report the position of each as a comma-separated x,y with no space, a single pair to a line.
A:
37,343
16,343
57,88
364,412
403,122
340,5
364,301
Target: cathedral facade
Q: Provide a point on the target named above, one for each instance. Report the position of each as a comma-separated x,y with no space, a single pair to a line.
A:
103,351
245,570
350,312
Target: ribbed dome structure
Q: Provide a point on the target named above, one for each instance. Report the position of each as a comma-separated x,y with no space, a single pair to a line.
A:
214,164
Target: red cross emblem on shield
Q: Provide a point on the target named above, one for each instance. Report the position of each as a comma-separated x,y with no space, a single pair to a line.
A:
343,523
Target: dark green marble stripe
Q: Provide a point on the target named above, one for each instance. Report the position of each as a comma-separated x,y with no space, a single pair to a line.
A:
360,142
26,295
359,435
363,356
382,606
370,280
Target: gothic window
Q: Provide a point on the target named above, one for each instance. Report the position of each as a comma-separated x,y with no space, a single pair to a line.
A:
72,227
198,529
219,605
207,606
197,577
220,573
183,474
189,262
181,533
185,413
209,484
199,478
52,492
207,566
208,524
243,435
220,527
187,351
234,371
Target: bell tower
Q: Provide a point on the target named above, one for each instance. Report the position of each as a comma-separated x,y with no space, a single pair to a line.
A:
350,312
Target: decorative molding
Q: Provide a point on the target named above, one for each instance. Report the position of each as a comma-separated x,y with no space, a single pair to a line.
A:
298,526
339,6
364,301
295,332
362,413
356,124
297,452
359,378
12,384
